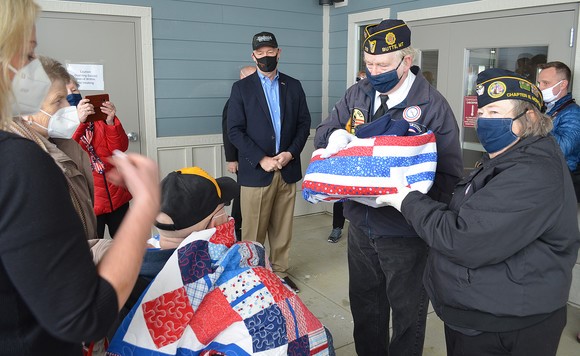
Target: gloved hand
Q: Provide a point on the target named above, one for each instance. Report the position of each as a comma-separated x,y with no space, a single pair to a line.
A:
337,141
394,200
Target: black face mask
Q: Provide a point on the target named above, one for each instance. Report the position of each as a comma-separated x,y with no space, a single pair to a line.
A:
267,64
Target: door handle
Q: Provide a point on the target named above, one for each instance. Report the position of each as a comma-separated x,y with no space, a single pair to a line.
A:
133,136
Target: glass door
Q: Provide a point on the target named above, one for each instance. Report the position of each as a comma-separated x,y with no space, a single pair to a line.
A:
517,40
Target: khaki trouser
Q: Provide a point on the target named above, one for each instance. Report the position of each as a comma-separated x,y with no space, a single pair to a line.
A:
268,211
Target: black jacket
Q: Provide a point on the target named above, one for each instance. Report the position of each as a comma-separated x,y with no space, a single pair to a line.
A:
502,253
51,297
230,150
250,128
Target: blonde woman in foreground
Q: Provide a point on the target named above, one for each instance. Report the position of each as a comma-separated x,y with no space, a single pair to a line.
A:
52,297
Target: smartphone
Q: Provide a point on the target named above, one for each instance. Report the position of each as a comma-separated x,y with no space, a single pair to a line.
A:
97,101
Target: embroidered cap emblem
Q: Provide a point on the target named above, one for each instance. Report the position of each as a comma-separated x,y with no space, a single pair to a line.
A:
496,89
390,38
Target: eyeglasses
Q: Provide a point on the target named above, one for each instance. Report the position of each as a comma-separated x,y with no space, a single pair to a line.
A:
269,53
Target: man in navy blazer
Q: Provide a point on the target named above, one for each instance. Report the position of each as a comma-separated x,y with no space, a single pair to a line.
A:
268,122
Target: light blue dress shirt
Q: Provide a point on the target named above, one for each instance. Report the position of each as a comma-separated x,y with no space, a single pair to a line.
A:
272,92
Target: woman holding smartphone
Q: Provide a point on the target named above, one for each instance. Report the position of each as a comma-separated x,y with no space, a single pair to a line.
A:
100,138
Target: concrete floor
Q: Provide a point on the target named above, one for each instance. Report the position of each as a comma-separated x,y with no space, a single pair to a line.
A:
320,270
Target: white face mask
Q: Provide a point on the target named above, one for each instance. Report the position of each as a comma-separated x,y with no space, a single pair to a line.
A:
63,123
29,86
548,93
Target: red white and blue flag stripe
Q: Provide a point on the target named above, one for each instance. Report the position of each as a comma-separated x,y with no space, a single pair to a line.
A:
371,167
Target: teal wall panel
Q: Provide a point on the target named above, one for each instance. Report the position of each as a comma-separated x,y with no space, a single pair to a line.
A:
199,46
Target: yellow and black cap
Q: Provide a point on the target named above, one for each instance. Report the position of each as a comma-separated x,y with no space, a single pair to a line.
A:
388,36
189,195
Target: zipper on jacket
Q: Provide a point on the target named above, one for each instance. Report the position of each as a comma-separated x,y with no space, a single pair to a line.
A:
108,193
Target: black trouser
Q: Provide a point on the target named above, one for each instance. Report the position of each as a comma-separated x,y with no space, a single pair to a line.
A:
237,215
112,220
541,339
337,215
385,275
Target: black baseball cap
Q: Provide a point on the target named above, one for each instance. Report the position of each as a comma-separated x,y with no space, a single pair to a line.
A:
189,195
263,39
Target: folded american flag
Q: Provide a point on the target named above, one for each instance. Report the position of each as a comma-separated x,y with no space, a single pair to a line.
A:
370,167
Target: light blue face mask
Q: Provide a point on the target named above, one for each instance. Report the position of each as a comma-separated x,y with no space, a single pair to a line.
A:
496,134
385,81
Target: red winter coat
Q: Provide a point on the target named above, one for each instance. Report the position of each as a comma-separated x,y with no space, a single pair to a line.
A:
106,139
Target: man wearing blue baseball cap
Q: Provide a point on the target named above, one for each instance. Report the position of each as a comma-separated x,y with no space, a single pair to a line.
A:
386,257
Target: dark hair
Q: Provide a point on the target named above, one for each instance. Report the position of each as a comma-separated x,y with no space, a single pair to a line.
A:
560,68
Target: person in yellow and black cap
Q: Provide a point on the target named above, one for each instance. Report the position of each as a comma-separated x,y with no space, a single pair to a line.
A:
502,251
192,200
213,295
386,257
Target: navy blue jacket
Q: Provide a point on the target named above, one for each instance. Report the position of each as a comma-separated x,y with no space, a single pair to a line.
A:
423,105
250,128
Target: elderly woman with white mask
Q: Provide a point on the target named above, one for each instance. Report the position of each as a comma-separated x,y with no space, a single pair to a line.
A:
52,128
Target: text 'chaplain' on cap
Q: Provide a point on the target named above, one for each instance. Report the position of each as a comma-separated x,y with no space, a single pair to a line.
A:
263,39
497,84
388,36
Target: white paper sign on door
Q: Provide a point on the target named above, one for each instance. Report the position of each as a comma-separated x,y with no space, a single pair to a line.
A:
89,76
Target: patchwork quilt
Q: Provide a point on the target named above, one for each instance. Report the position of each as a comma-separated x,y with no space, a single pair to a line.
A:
369,167
218,297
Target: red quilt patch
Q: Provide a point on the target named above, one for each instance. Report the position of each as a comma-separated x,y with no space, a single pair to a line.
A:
273,283
167,316
213,316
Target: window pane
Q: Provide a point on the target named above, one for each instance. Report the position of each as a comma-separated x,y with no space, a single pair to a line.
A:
429,63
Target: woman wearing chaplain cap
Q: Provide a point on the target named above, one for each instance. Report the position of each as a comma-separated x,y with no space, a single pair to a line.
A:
502,252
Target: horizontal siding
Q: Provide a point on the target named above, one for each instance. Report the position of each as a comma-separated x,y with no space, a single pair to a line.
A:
199,46
208,70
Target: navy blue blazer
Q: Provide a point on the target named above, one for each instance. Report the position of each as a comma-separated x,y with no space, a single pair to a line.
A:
250,128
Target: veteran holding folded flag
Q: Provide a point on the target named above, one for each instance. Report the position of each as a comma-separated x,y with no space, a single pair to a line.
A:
502,252
386,258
